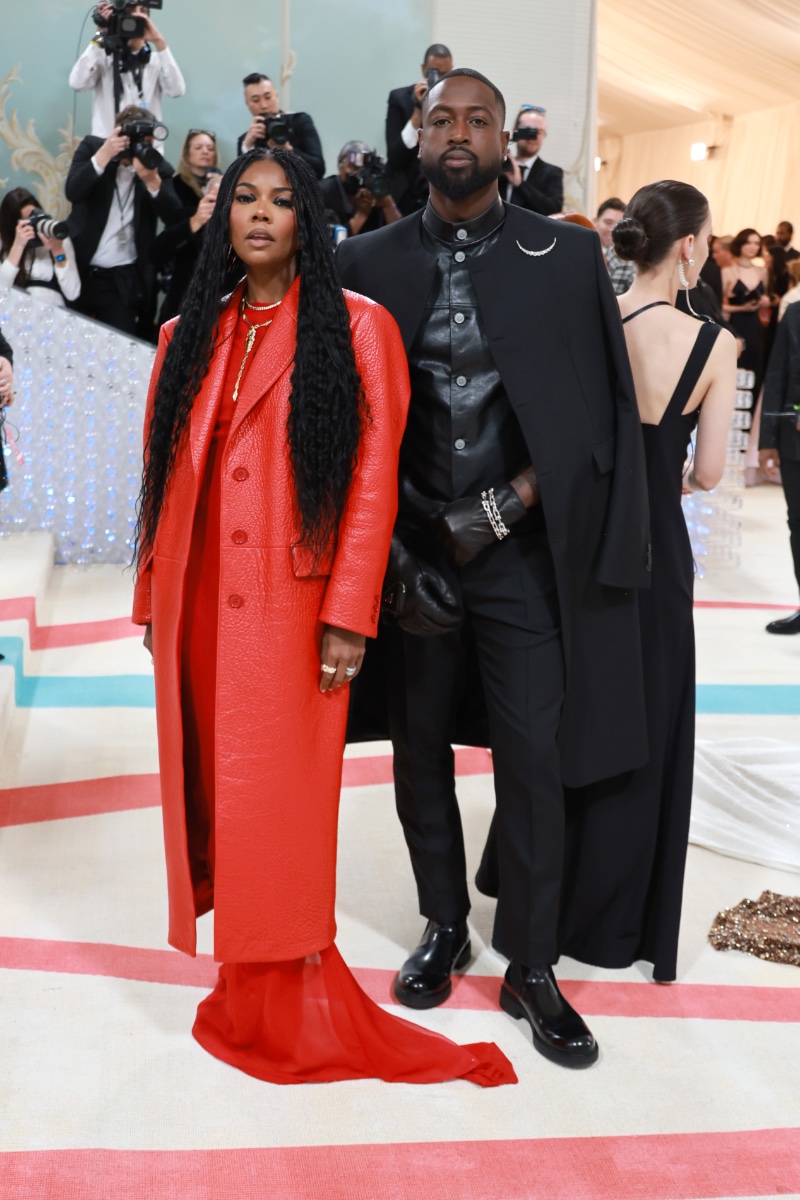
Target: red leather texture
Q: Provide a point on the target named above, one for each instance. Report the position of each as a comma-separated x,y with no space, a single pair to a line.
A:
279,740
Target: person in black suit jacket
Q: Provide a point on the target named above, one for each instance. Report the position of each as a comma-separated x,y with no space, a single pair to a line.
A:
533,183
116,205
523,420
261,97
361,211
403,121
779,438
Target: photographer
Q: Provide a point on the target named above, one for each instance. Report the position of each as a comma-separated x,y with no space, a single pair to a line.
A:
147,69
6,398
274,128
403,121
44,266
196,182
359,195
117,200
531,182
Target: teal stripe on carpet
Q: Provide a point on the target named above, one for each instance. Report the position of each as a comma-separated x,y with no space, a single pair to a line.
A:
754,699
75,691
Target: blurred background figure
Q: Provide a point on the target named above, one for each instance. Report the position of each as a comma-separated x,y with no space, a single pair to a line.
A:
44,266
272,128
359,193
609,215
744,295
403,122
532,182
783,236
793,294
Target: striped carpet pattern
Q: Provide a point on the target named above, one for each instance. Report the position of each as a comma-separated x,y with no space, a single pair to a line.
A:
103,1092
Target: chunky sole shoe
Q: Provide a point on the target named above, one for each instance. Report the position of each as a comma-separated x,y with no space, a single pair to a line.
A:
433,999
516,1009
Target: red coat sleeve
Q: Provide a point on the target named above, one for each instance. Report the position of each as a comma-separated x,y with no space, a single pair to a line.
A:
353,595
141,593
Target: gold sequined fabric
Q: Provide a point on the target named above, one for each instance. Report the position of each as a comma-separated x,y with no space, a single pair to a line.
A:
768,927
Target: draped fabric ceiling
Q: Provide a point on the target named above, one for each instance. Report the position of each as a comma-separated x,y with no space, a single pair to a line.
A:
723,72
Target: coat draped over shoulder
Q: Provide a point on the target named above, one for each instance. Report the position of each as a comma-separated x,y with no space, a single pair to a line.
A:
279,741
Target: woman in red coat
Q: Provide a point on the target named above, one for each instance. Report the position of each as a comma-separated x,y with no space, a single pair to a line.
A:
272,436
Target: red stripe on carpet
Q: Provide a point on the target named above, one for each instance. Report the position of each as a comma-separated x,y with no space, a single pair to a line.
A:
80,633
118,793
677,1166
741,604
476,993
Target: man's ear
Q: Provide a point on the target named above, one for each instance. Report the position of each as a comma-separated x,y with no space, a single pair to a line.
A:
504,139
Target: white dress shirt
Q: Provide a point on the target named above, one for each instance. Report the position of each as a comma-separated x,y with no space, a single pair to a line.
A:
44,270
117,246
94,70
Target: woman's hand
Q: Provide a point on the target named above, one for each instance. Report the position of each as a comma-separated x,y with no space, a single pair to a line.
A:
53,246
6,383
203,213
343,651
24,233
147,641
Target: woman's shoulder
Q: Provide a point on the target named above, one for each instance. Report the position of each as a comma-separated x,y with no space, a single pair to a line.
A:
364,311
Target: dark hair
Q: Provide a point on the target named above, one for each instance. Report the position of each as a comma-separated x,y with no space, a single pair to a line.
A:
470,74
743,236
327,407
614,203
437,50
10,213
657,217
255,77
778,283
133,112
786,225
183,170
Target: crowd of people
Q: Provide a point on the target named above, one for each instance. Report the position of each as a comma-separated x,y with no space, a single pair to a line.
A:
402,464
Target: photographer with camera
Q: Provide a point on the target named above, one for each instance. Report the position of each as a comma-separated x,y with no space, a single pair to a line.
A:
177,247
531,182
272,128
127,62
35,252
119,188
359,194
6,399
403,122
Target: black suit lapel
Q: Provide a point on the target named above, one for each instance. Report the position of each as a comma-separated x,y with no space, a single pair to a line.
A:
406,277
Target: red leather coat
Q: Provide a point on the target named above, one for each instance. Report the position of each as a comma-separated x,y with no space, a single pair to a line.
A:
279,740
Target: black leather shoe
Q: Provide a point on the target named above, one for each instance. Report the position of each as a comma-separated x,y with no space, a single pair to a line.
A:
559,1033
785,624
423,981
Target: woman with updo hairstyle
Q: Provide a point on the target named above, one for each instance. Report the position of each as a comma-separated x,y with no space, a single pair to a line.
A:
272,436
627,837
745,292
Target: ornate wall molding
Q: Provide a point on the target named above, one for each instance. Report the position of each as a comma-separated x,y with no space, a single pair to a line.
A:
28,153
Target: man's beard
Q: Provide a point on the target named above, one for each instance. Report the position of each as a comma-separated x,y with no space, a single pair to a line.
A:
458,185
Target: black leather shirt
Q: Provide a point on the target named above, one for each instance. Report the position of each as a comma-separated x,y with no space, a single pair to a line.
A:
462,434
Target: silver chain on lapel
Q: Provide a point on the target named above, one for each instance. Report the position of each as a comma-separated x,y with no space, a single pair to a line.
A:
537,253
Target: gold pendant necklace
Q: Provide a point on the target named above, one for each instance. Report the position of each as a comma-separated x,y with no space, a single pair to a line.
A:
251,336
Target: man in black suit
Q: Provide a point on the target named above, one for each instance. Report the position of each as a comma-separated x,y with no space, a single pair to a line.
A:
360,211
783,236
261,97
533,183
779,438
521,538
116,205
403,120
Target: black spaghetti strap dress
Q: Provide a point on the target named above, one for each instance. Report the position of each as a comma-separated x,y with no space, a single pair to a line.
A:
627,837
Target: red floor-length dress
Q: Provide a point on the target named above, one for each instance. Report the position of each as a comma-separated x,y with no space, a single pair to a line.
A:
305,1020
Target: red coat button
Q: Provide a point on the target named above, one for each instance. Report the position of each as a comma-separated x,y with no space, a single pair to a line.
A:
240,474
239,537
236,601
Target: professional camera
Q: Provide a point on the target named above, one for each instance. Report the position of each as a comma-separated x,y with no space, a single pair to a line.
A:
138,132
371,175
43,223
526,133
120,26
277,129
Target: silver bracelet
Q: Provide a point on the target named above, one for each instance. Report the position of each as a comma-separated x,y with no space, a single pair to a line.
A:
493,513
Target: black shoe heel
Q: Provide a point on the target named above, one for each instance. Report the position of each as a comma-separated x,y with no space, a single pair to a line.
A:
511,1005
463,958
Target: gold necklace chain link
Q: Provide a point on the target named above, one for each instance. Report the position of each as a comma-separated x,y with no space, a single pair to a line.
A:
251,337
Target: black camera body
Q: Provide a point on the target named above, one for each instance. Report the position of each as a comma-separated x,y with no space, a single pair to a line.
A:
526,133
43,223
138,132
372,175
277,129
120,26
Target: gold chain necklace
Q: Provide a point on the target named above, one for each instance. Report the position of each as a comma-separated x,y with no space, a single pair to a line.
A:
251,336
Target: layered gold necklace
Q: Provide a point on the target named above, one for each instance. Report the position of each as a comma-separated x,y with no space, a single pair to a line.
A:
251,334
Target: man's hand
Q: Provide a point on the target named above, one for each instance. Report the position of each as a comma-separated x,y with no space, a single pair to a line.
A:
512,172
418,595
364,201
464,527
254,134
148,175
420,92
203,214
342,653
113,145
151,34
6,383
769,462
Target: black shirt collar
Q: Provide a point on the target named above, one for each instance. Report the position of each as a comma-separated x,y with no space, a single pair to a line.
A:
464,233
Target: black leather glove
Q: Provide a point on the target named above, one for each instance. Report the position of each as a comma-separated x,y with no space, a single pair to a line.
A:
464,527
417,595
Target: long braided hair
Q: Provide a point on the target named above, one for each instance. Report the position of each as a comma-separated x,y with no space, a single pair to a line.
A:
327,407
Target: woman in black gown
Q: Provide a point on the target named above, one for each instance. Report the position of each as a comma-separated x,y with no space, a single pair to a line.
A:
627,837
744,295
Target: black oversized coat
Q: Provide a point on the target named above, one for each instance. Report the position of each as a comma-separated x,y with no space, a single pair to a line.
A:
556,337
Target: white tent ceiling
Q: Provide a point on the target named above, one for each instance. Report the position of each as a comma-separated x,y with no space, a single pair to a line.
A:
663,63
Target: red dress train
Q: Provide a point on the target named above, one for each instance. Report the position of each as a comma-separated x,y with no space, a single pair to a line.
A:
305,1020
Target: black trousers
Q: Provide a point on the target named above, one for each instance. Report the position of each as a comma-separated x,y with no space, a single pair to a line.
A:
116,296
512,625
790,476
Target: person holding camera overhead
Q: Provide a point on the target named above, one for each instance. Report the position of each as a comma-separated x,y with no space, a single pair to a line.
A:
403,123
119,188
273,129
532,183
121,70
32,254
359,194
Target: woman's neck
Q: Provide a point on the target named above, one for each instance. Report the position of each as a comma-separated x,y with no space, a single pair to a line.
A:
649,287
270,285
746,262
